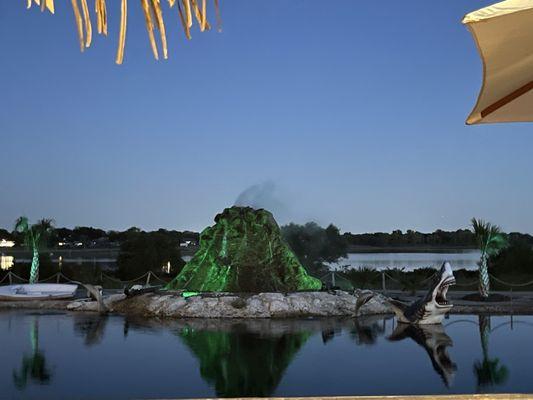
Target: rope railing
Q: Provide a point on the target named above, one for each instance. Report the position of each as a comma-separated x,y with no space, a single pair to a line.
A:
458,283
62,275
499,326
429,277
158,278
460,321
50,278
383,274
518,322
148,275
113,279
471,283
474,282
325,275
392,278
337,275
13,275
398,280
401,283
511,284
4,278
10,276
343,276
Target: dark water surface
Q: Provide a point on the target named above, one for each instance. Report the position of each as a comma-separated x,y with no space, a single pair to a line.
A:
49,355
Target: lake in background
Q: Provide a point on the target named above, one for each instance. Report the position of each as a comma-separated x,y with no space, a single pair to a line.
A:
461,259
59,355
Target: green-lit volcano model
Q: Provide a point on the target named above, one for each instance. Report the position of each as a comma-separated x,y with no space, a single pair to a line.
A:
244,252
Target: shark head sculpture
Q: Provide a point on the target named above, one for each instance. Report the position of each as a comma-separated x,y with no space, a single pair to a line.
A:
430,309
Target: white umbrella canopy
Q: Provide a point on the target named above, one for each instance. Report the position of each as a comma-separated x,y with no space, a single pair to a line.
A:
504,36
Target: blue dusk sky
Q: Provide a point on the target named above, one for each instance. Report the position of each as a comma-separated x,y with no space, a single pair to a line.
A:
341,111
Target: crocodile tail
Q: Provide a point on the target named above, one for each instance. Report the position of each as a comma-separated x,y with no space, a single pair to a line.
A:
398,307
362,299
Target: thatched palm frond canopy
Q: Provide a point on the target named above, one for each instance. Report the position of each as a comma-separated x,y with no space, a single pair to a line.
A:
188,11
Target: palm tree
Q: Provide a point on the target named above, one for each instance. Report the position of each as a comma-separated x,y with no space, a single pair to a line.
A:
34,237
491,240
489,372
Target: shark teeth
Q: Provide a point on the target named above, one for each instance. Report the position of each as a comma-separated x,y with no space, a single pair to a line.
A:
440,298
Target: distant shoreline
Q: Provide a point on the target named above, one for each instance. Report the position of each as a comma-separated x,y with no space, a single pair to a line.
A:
409,249
96,253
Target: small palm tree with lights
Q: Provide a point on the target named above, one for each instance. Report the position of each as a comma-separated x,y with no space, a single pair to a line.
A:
35,237
491,240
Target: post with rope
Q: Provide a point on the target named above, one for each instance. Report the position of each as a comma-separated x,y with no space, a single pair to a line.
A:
148,278
4,278
383,285
93,291
10,278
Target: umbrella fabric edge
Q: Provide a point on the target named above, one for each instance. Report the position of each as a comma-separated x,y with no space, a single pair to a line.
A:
488,107
497,10
475,117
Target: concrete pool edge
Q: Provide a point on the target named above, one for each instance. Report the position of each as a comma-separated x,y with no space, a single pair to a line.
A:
499,396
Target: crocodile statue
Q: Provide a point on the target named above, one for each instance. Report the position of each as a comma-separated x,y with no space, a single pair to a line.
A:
429,309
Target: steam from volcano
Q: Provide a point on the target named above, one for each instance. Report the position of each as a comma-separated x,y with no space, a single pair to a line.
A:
265,195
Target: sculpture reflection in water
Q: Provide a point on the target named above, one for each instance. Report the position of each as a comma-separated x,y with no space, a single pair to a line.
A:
240,359
250,358
367,330
34,367
489,372
91,327
435,341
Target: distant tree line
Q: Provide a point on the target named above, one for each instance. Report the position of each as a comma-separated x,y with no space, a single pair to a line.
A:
5,234
141,252
315,246
84,236
95,237
516,259
459,238
157,251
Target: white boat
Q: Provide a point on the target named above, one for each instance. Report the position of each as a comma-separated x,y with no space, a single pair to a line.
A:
38,291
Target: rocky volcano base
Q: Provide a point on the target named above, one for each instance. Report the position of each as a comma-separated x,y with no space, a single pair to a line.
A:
227,305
